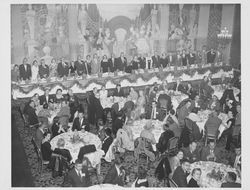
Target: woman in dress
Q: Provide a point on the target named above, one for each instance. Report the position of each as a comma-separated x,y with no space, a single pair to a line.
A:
95,67
46,147
133,96
34,70
124,138
104,64
59,96
36,100
89,64
140,105
175,161
141,180
147,132
53,68
196,176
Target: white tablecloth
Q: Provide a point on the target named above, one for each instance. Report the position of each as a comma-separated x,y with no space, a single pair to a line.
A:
218,91
109,101
207,167
89,138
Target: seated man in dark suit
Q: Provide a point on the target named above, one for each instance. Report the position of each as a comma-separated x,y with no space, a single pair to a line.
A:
118,123
118,91
210,153
191,153
79,122
211,56
61,150
46,97
30,111
115,174
78,176
46,147
25,70
108,140
181,173
231,181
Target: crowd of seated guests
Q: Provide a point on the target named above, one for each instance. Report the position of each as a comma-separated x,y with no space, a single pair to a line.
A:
150,105
92,65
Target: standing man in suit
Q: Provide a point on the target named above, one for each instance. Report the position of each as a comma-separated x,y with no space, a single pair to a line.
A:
181,173
115,174
211,56
62,68
80,122
118,91
156,60
142,62
121,62
171,59
39,135
25,70
79,66
46,97
112,64
78,176
43,70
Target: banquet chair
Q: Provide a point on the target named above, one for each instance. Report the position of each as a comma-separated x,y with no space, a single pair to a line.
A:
211,133
26,122
172,146
40,160
172,183
91,169
59,165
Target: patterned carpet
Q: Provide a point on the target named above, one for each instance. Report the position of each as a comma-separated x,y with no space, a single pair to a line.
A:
46,179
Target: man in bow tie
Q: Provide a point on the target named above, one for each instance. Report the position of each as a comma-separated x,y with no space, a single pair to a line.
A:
78,176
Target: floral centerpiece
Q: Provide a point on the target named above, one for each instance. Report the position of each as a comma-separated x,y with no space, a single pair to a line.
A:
75,138
218,175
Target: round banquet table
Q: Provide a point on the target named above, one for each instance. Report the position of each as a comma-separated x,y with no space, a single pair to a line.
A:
207,167
110,101
88,138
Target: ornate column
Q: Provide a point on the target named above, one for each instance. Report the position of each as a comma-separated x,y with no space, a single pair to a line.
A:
164,23
73,30
227,21
202,26
17,51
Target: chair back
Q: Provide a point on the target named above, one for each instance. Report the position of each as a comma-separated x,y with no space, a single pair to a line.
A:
37,150
23,116
172,183
172,145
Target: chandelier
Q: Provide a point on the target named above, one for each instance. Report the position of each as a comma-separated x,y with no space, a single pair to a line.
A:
224,37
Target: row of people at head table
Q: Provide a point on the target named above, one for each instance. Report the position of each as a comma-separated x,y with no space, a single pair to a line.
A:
95,65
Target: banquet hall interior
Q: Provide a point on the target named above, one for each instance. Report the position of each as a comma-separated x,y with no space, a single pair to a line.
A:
126,95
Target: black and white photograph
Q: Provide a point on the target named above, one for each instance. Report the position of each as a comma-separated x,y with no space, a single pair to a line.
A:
113,95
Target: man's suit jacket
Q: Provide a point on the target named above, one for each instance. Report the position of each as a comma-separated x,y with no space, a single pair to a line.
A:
112,177
117,125
191,58
64,152
142,62
80,68
121,65
25,73
164,62
211,57
85,150
44,71
192,157
32,117
43,99
180,177
156,61
106,144
120,93
62,70
78,126
76,181
112,64
206,151
39,138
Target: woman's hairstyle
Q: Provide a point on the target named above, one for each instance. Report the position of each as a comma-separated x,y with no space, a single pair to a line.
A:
60,142
172,112
34,62
142,172
45,106
59,89
196,169
45,134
